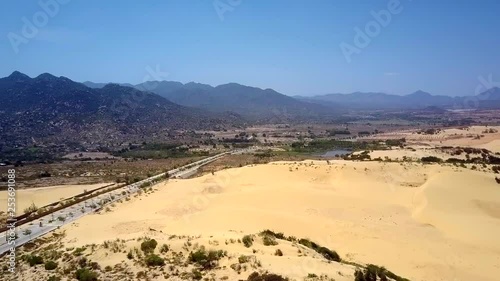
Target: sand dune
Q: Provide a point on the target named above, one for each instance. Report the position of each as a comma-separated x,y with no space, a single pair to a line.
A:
45,195
423,222
468,209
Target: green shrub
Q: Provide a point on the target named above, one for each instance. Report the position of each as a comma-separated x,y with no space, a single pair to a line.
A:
196,274
207,260
269,240
50,265
243,259
34,260
431,159
278,235
79,251
154,260
164,248
325,252
278,252
265,277
374,273
130,255
247,241
84,274
148,246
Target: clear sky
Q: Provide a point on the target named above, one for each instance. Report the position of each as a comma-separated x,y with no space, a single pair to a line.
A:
292,46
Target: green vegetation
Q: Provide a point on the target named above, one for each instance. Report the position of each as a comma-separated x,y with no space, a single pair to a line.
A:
196,274
206,259
277,235
79,251
398,142
266,277
243,259
156,151
325,252
148,245
431,159
164,248
154,260
50,265
269,240
130,255
31,208
247,241
365,155
333,133
322,145
496,169
374,273
278,252
33,260
84,274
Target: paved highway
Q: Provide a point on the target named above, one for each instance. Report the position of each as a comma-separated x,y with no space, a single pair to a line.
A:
43,225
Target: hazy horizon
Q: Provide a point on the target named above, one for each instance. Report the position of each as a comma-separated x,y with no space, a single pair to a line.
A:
294,47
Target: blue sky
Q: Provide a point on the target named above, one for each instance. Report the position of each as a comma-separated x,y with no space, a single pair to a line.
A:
292,46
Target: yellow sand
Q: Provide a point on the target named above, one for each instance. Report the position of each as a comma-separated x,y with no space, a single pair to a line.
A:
422,222
44,195
466,137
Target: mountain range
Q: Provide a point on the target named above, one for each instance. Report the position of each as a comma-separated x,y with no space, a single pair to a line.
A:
416,100
253,102
62,110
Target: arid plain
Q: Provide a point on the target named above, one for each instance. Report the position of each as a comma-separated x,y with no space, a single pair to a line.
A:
435,221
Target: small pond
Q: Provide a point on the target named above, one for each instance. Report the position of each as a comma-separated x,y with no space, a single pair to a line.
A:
339,152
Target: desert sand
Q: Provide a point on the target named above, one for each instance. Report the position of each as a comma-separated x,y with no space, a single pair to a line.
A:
467,137
423,222
45,195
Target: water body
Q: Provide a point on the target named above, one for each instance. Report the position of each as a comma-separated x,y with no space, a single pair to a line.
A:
339,152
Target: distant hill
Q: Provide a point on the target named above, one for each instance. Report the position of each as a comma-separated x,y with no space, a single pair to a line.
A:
253,103
61,110
101,85
416,100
